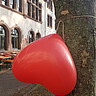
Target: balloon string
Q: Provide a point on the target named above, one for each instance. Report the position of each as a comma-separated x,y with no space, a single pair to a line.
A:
62,28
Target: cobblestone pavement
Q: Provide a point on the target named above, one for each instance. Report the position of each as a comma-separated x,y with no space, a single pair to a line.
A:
38,90
9,86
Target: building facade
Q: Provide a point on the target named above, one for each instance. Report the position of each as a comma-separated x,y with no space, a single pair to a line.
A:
23,21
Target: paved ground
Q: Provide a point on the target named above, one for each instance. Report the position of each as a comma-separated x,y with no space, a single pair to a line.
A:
9,86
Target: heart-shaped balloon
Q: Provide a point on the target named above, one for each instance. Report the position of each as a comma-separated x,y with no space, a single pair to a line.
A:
47,61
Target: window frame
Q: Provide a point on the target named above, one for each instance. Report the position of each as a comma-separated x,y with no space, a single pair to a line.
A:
6,29
19,37
49,21
14,36
32,35
38,36
50,5
4,36
35,10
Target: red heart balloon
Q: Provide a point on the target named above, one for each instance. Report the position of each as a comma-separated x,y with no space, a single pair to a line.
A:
47,61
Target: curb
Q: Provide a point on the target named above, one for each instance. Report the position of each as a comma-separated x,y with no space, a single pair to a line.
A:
4,71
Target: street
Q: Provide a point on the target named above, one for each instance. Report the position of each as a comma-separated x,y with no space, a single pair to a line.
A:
9,86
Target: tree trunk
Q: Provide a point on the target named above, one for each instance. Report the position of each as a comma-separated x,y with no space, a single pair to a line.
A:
79,35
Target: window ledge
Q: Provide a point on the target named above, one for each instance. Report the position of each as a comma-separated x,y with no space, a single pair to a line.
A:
26,16
49,27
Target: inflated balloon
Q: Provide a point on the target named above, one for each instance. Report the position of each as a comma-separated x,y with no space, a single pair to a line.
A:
47,61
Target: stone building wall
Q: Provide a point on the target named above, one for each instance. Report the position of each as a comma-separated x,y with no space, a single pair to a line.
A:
80,36
11,18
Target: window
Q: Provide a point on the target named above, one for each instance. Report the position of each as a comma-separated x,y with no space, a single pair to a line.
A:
49,4
38,35
4,2
15,38
37,2
28,8
40,5
33,1
33,12
49,21
36,13
2,38
40,15
13,4
31,36
35,9
19,5
40,12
